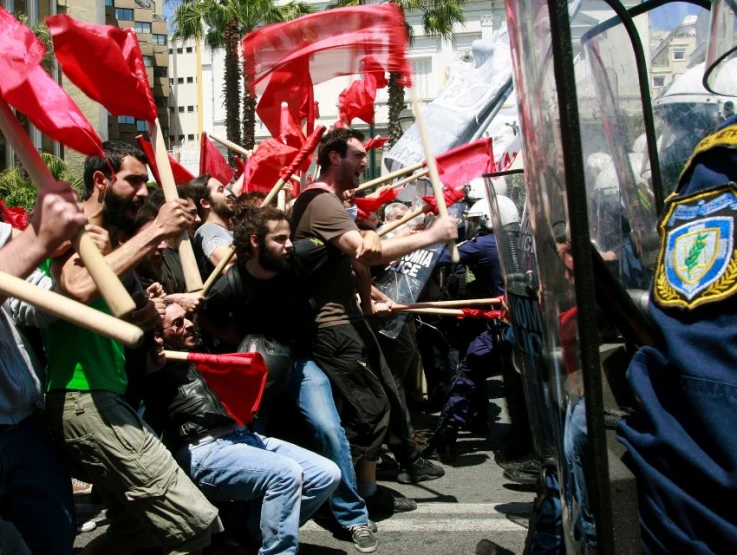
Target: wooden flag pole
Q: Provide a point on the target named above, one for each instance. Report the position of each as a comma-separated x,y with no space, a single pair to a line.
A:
407,217
231,145
192,277
396,184
463,303
388,177
437,311
112,290
72,311
175,355
437,187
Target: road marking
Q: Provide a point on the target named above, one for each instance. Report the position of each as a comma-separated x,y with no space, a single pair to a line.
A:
438,525
490,509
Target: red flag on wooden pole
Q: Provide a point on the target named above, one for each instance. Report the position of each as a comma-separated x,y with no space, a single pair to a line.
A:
181,174
15,216
460,165
106,63
213,162
266,165
357,101
29,89
374,201
375,142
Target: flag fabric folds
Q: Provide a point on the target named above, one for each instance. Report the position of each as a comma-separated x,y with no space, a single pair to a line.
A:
335,42
265,166
15,216
181,174
106,63
460,165
375,142
213,162
238,379
29,89
357,101
451,196
480,314
374,201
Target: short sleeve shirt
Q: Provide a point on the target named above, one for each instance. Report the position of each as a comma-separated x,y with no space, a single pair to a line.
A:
334,284
207,238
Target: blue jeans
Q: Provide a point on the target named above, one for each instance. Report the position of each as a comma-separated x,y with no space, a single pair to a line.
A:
243,466
310,389
36,489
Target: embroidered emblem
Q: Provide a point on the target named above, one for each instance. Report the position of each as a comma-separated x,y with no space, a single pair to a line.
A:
317,242
697,263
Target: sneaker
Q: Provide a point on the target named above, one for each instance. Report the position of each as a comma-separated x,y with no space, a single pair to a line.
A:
526,473
383,502
80,488
372,526
442,445
363,538
420,471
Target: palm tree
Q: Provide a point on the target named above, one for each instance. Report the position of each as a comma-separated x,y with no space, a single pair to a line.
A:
438,18
222,23
16,187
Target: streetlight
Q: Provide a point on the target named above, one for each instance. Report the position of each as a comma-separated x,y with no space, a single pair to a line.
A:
406,119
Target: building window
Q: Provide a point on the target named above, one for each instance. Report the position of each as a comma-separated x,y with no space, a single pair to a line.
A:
190,108
160,40
180,80
148,61
189,50
181,138
679,54
190,80
190,137
126,119
422,77
179,50
161,101
108,3
123,14
658,81
141,125
161,71
142,27
181,109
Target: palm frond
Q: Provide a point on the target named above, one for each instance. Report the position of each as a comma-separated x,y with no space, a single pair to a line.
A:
439,17
189,18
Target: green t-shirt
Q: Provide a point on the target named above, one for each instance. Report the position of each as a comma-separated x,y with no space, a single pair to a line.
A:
80,359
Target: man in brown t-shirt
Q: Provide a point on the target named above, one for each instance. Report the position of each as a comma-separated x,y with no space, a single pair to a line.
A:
345,347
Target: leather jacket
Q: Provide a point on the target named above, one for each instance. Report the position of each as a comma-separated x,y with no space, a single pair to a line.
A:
180,404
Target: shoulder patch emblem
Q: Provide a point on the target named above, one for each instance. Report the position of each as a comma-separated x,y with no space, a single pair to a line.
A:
697,263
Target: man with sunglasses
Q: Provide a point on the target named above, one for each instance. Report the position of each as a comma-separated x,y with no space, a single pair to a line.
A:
151,502
230,462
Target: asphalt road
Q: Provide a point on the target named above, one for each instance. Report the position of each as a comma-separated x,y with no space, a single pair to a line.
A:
471,503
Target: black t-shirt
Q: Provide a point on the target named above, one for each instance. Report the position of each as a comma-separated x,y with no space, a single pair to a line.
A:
278,308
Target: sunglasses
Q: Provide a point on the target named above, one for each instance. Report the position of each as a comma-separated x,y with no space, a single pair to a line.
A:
176,323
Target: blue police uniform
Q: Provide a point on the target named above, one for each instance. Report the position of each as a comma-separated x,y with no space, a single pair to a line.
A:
467,394
683,444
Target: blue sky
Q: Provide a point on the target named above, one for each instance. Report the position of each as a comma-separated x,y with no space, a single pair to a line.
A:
671,15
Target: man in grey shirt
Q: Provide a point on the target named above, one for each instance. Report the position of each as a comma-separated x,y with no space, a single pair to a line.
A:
35,486
213,237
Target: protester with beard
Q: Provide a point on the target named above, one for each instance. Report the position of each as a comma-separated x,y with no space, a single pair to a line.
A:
345,347
254,297
213,237
151,502
230,462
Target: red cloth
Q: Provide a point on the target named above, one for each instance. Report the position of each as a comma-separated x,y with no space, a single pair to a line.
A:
15,216
376,142
238,379
460,165
480,314
290,84
451,196
213,162
375,201
334,42
357,101
105,62
181,174
265,166
28,88
240,166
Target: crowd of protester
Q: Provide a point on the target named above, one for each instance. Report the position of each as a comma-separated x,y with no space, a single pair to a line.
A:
156,443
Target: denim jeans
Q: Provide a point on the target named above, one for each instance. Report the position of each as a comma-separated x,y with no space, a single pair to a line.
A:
36,489
243,466
310,387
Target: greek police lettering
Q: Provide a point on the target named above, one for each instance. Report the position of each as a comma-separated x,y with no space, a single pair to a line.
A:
527,324
413,262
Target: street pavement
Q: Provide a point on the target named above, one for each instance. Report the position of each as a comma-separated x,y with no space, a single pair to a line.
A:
472,502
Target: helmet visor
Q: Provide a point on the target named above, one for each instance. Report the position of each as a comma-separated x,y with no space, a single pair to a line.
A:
721,54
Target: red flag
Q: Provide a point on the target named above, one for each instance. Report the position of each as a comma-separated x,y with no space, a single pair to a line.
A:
374,201
290,84
181,174
357,101
375,142
213,162
29,89
105,62
266,165
15,216
238,379
480,314
460,165
333,42
240,166
451,196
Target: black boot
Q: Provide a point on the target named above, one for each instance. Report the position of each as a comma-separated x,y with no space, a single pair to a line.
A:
442,444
